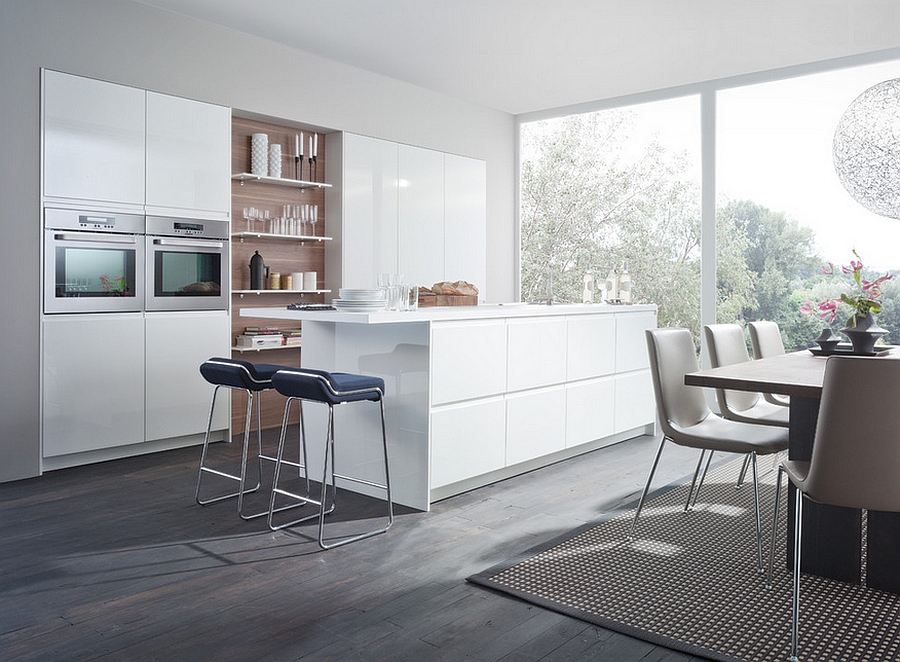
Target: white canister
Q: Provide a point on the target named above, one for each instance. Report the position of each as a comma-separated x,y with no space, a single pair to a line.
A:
275,161
297,280
310,279
259,154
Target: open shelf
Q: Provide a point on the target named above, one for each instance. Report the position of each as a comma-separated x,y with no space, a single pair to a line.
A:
280,181
243,292
264,349
270,235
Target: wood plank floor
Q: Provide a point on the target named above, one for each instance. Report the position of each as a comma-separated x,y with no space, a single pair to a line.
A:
115,561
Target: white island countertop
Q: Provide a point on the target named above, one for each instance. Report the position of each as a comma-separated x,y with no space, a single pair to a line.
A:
446,313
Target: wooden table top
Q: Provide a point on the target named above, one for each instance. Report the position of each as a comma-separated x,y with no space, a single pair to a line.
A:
799,374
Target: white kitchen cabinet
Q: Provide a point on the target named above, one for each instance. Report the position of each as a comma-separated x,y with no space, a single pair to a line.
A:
590,411
177,395
467,440
591,341
93,382
93,140
421,215
635,402
370,198
631,341
535,424
188,157
537,352
469,360
465,220
403,209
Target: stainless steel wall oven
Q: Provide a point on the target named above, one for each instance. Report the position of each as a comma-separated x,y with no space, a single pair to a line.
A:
187,264
93,261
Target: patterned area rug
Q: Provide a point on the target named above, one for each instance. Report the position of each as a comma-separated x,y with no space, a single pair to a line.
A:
688,581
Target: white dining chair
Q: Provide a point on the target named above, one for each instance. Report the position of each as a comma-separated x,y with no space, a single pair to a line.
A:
726,345
855,457
765,339
686,420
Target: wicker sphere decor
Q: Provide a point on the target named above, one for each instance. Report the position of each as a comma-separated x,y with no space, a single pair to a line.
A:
866,149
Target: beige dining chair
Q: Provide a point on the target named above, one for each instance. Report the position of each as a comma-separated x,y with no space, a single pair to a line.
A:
856,452
765,339
686,420
726,345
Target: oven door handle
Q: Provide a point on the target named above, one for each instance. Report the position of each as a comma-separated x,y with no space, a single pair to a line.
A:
95,239
188,243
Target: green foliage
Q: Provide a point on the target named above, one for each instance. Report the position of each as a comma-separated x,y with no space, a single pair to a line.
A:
591,200
588,202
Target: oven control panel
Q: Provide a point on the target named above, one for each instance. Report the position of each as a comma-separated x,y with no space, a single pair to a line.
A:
181,227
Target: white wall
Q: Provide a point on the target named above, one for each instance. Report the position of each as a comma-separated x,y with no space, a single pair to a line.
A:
133,44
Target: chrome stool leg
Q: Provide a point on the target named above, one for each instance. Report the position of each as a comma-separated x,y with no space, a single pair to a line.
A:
204,469
297,385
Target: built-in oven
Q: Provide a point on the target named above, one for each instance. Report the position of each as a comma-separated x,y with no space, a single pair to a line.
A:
187,264
93,261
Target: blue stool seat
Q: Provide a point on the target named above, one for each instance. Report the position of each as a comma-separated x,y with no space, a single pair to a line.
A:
331,389
253,379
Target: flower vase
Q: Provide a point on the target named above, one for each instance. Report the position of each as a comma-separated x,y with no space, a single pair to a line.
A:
864,335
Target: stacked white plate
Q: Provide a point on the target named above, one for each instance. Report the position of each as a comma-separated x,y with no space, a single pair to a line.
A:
359,301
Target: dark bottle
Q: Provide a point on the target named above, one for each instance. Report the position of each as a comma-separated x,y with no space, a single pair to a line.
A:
259,272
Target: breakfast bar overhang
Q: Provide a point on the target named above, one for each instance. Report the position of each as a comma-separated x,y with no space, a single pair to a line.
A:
475,394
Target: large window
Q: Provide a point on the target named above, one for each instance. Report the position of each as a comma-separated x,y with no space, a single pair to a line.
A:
782,212
623,185
610,190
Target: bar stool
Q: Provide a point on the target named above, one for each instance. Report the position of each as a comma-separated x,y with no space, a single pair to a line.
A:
305,384
252,379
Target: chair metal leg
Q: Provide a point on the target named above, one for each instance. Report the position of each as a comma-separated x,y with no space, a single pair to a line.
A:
743,474
324,508
386,486
774,527
795,592
759,555
692,499
643,498
300,464
240,478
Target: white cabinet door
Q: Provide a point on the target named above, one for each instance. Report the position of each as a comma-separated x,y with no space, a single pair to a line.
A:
591,346
177,395
93,382
537,352
635,403
467,440
468,360
590,410
93,140
535,424
188,157
370,198
631,343
421,215
465,220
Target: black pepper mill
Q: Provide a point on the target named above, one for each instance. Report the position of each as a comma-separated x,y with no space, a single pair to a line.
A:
259,272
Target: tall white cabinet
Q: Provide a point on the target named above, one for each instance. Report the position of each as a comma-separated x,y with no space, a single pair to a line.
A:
403,209
112,382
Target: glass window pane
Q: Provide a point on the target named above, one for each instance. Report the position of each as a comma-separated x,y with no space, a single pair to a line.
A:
782,211
607,189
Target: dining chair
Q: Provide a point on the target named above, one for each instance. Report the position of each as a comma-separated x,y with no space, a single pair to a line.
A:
686,420
765,339
856,452
726,345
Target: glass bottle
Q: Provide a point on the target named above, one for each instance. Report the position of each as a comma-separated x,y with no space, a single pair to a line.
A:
625,285
612,286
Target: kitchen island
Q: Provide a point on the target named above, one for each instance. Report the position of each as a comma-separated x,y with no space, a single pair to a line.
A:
475,394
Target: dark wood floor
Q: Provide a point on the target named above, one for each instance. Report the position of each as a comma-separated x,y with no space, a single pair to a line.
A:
115,561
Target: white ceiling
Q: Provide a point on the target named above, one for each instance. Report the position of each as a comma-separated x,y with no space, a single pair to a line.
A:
520,56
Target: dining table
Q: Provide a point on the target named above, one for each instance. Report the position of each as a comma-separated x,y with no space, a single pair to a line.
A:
844,544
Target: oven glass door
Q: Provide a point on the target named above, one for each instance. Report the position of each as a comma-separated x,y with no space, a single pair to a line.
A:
93,272
186,275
